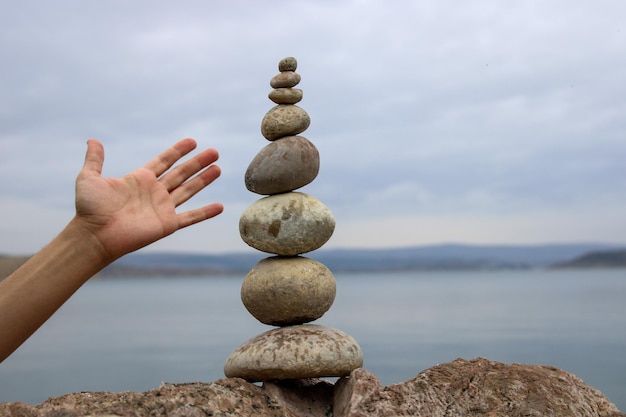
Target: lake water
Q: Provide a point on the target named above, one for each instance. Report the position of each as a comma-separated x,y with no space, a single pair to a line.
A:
132,334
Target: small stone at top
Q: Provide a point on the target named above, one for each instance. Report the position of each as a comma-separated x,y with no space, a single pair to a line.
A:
287,64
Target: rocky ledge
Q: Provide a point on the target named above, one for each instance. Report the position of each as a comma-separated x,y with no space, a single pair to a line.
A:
478,387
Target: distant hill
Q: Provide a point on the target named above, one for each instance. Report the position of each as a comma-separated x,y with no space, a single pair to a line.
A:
177,264
9,264
418,258
600,259
427,258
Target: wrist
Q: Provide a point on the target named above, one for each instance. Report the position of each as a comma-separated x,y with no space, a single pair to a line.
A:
88,242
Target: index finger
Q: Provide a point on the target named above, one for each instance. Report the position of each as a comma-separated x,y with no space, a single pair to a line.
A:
166,159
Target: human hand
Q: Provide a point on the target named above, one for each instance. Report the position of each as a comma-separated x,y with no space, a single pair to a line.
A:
126,214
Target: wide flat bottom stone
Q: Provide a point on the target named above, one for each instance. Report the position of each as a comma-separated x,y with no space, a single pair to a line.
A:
295,352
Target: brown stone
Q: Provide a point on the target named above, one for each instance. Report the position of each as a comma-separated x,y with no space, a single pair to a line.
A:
310,397
285,95
286,224
284,120
294,352
287,64
286,79
473,388
233,397
284,165
282,291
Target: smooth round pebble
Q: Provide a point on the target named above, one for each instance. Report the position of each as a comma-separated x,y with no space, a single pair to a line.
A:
295,352
287,64
286,224
284,165
284,120
285,95
282,291
285,79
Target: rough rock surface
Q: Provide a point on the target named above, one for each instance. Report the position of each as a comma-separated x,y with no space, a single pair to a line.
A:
286,224
301,351
284,165
460,388
473,388
282,291
284,120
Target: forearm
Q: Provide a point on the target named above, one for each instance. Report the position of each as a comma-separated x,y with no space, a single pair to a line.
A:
30,295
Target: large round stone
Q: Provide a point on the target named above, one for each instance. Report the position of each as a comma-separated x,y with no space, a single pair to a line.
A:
284,165
282,291
284,120
285,95
295,352
286,224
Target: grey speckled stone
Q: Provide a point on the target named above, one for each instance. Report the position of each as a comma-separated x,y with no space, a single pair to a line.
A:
286,224
283,291
285,95
284,120
295,352
284,165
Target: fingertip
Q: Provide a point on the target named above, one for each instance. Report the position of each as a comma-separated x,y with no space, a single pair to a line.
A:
184,146
94,157
218,208
94,142
189,143
199,215
214,154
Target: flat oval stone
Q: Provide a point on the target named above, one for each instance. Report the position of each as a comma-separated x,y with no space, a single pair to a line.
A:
295,352
285,95
287,64
286,224
282,291
285,79
284,120
284,165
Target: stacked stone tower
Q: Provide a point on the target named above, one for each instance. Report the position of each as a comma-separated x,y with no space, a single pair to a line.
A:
288,290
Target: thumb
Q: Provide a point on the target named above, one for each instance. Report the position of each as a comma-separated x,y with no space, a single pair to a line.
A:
94,159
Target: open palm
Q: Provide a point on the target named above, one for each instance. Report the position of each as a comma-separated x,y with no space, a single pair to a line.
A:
125,214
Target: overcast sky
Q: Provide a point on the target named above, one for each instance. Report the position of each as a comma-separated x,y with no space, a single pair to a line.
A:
436,121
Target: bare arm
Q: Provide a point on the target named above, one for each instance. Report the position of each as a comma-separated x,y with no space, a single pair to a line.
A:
114,216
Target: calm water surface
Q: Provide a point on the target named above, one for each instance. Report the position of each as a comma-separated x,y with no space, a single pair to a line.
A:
132,334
